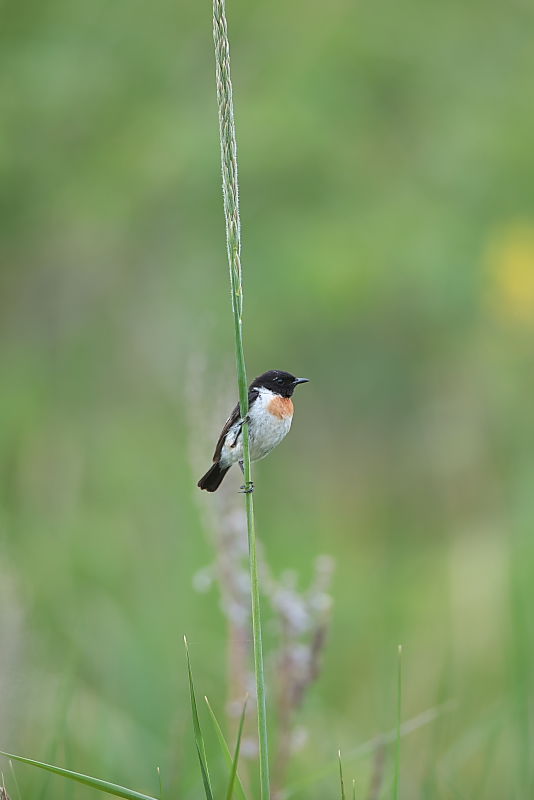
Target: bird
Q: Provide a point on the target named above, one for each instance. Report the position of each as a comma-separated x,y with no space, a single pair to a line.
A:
270,413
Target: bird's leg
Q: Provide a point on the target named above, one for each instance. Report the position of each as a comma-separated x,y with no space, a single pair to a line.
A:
239,429
248,487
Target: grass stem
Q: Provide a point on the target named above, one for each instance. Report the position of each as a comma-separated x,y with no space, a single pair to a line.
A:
396,776
233,240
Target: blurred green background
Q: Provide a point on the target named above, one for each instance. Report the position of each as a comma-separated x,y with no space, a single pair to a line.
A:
387,190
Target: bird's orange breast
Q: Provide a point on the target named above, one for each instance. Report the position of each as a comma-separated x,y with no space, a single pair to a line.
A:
281,407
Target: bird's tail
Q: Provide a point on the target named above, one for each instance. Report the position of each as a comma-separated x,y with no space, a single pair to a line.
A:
213,478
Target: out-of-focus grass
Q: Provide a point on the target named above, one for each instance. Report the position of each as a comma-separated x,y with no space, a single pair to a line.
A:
386,165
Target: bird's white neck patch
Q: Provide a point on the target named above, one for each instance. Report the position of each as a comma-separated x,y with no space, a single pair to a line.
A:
266,392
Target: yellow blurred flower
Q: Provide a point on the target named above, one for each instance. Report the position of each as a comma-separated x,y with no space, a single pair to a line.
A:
510,262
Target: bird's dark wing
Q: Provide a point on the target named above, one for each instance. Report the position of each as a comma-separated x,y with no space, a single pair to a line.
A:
234,417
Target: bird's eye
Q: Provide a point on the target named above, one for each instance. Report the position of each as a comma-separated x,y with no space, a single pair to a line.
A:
279,380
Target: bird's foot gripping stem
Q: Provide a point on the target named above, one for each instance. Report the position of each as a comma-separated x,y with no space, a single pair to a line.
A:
247,487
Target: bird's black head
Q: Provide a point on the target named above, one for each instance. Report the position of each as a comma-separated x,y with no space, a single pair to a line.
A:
277,381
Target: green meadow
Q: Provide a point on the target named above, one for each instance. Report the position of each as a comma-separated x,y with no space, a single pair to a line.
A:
387,211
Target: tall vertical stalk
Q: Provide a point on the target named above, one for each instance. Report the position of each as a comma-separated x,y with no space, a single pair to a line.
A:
398,732
233,240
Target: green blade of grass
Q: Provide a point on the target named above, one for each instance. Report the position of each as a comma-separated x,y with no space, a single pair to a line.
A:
59,728
87,780
15,780
341,776
224,746
205,774
233,773
199,741
354,789
396,776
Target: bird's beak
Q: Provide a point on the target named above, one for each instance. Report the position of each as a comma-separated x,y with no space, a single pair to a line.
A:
301,380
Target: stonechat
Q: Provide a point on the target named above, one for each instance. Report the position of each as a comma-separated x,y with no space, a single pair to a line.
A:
270,413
